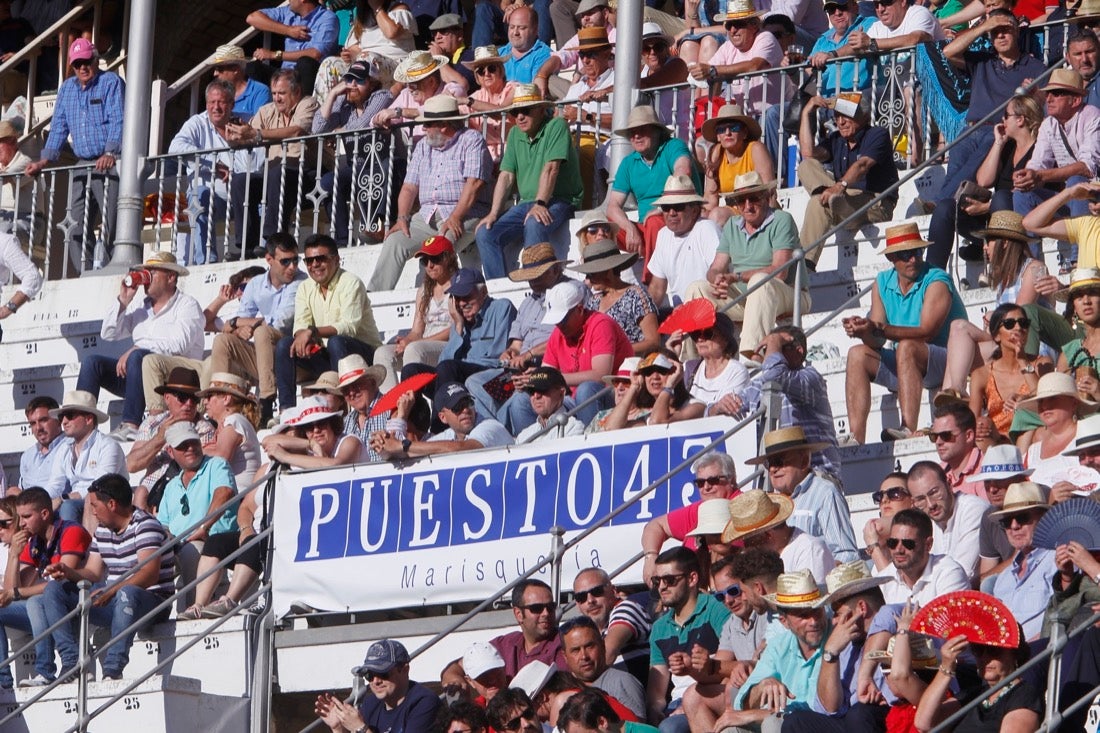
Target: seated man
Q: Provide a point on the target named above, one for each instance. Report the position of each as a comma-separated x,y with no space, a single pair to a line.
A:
289,115
547,388
623,622
166,321
246,346
126,536
760,241
1001,467
685,245
590,114
586,659
525,52
421,73
311,33
912,305
541,163
593,14
899,25
957,517
860,160
446,183
1083,56
916,575
1025,585
228,64
954,433
589,711
798,549
332,318
36,462
844,18
465,430
359,386
448,41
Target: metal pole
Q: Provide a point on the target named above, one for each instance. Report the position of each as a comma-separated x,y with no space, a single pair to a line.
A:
628,59
135,135
85,640
557,533
1056,644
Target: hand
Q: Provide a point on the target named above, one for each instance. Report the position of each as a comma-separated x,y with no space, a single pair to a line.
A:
452,228
679,663
949,654
1026,180
520,380
542,84
262,54
671,380
199,535
819,59
6,597
19,540
975,208
33,168
740,672
1048,285
675,339
858,327
905,619
245,332
868,693
299,33
1079,191
729,404
872,531
401,225
993,22
699,660
541,214
221,171
569,113
126,294
488,221
302,345
1061,491
859,41
335,713
242,133
634,241
774,695
834,190
350,54
846,629
700,72
1063,560
105,162
102,597
1083,559
1000,133
404,406
120,365
720,288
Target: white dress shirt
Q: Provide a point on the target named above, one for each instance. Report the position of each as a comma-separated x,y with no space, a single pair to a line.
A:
175,331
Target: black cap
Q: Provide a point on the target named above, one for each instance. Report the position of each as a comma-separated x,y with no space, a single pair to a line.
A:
449,396
544,378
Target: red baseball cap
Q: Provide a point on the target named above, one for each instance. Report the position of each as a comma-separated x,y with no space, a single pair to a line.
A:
433,246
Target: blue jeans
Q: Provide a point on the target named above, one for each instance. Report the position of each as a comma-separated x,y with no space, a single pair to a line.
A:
327,358
773,137
966,158
515,413
72,510
947,219
510,227
199,207
128,604
99,371
546,25
27,615
488,24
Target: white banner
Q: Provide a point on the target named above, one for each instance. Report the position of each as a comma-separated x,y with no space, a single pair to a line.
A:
458,527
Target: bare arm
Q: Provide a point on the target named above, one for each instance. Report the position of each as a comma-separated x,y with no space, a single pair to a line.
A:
937,305
656,691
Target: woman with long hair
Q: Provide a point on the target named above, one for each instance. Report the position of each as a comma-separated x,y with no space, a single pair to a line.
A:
1058,405
1081,356
736,150
647,384
230,405
627,304
1011,373
716,372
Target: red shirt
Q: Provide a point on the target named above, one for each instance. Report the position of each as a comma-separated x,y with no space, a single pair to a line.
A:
69,538
600,335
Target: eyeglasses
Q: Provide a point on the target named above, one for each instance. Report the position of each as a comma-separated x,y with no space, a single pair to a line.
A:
711,481
893,494
893,543
653,47
288,261
5,523
1011,323
69,415
316,259
599,591
934,495
738,24
80,63
485,70
589,54
729,127
706,334
667,580
904,256
883,3
673,207
751,198
185,505
947,436
414,86
184,396
537,609
516,722
1007,115
732,592
1023,519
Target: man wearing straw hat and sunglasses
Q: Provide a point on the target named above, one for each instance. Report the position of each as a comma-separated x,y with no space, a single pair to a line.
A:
1025,585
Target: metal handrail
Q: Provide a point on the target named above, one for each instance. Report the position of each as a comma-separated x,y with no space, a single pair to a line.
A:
559,420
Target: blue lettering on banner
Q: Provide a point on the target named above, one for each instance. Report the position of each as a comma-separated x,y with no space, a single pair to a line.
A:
524,494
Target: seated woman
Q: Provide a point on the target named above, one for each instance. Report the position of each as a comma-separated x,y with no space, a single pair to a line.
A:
717,371
432,318
628,305
1058,405
661,69
648,382
1081,356
324,443
736,149
382,29
619,382
230,405
495,93
891,497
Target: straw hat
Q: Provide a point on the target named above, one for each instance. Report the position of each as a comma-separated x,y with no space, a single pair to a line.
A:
226,383
796,590
849,579
1001,462
311,410
1023,497
1087,9
922,652
162,261
730,113
785,440
593,38
755,511
1066,80
77,400
642,116
1006,225
534,261
1088,435
485,56
328,382
1054,384
597,216
354,367
902,238
228,54
440,108
604,255
679,189
651,30
626,370
751,182
1082,278
714,515
7,129
527,95
418,65
738,10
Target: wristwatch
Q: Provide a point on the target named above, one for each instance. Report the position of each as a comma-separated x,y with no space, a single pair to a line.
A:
540,202
405,445
828,657
10,305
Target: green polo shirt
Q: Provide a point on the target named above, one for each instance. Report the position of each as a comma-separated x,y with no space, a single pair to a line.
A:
525,157
647,180
754,251
702,627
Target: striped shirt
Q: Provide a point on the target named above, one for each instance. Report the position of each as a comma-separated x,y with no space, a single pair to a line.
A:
91,114
370,425
820,510
632,614
120,551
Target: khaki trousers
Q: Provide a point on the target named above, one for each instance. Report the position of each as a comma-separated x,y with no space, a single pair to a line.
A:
253,359
155,369
819,219
758,312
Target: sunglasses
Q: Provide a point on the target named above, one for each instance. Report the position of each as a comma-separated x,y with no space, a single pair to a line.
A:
738,24
5,523
729,127
599,591
653,47
780,461
288,261
1011,323
185,505
729,593
589,54
184,396
433,259
1023,519
910,254
947,436
537,609
707,334
371,676
485,70
69,415
893,543
711,481
516,722
667,580
597,229
224,67
752,198
673,207
830,9
316,259
1060,93
81,63
893,494
883,3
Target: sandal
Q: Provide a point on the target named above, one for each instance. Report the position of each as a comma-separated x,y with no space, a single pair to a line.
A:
947,396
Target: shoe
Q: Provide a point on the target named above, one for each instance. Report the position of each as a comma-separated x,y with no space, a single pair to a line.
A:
889,435
971,252
111,675
124,433
37,681
194,613
848,441
267,410
221,607
69,675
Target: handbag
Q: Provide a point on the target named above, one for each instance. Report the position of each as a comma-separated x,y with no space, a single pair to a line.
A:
974,192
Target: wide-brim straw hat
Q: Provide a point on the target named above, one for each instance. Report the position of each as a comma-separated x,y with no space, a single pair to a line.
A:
77,400
1055,384
535,261
311,410
1001,462
730,113
328,382
1006,225
527,95
1081,278
228,54
751,182
902,238
714,515
849,579
226,383
922,652
162,261
593,38
603,255
418,65
485,56
1066,80
785,440
354,367
597,216
1023,497
642,116
679,189
440,108
738,10
756,511
796,590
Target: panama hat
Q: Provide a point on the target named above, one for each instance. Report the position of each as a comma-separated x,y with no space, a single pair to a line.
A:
328,382
755,511
1006,225
534,261
313,409
226,383
527,95
1088,435
922,652
626,370
591,39
485,56
418,65
730,113
679,189
902,238
1054,384
1001,462
162,261
603,255
597,216
77,400
228,54
738,10
1081,278
440,108
651,30
642,116
980,617
849,579
354,367
1023,497
714,515
785,440
1066,80
751,182
7,129
796,590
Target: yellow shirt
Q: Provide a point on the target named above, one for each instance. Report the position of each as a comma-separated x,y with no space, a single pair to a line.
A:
728,172
345,307
1084,231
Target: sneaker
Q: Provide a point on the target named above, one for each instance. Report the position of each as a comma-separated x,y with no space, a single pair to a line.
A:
194,613
221,607
258,608
848,441
889,435
69,675
37,681
111,675
124,433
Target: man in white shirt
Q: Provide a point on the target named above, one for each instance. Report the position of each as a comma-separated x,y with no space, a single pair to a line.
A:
36,463
547,389
899,25
957,518
14,261
165,321
915,573
760,519
464,431
685,245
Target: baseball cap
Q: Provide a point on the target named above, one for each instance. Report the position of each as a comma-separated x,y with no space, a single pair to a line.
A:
433,246
179,433
561,299
449,396
465,281
382,656
480,658
544,378
81,50
360,71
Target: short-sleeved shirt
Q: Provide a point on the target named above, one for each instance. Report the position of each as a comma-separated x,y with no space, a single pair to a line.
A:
526,157
323,25
917,18
871,142
513,650
254,96
759,92
988,720
1084,231
600,335
440,174
69,538
904,309
754,251
634,655
992,82
488,432
119,551
181,508
783,660
702,627
523,69
269,117
742,640
416,712
848,68
646,180
684,260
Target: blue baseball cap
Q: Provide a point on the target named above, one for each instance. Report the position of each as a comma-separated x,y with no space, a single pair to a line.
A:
382,656
465,281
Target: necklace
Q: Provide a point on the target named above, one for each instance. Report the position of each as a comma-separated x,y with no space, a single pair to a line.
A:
991,701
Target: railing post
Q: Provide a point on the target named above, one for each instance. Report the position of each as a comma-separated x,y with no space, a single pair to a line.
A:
799,269
1057,645
85,641
557,542
772,402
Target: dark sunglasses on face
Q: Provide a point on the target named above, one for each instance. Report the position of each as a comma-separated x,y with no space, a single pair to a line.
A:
653,47
752,198
537,609
738,24
830,9
1023,519
893,543
516,722
184,396
729,593
673,207
315,259
371,676
946,436
1010,324
588,54
5,523
883,3
1060,93
288,261
711,481
484,70
81,63
598,592
68,415
433,259
225,67
667,580
729,127
893,494
905,256
707,334
597,229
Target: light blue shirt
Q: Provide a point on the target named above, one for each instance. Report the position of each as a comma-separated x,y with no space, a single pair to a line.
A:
849,67
275,305
524,68
820,510
178,515
483,341
36,467
904,309
100,455
324,30
849,668
1027,596
199,133
782,660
